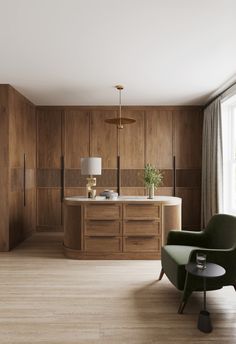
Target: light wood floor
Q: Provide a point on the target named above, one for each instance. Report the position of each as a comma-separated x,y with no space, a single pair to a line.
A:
46,298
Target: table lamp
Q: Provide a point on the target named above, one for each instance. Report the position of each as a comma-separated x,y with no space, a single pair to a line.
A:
91,166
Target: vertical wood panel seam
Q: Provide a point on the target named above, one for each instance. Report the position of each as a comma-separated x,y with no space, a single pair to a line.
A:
90,134
145,138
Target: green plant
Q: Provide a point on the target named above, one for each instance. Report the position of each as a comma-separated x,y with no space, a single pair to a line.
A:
152,176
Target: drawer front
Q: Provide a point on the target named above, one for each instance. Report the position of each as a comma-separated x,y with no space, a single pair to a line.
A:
101,244
142,227
103,211
145,244
144,211
102,227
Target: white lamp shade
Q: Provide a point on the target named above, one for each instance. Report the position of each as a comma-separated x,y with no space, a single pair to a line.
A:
91,166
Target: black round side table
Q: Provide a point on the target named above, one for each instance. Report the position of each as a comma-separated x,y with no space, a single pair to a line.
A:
212,270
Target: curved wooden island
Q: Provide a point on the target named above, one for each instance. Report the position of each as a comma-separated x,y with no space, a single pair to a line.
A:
126,228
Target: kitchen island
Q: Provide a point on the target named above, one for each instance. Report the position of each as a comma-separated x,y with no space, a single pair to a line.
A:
130,227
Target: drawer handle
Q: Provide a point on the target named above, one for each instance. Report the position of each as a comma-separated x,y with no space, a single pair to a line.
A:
140,204
101,220
136,237
102,236
102,204
142,221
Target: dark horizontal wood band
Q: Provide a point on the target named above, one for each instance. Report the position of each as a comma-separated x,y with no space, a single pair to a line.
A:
108,179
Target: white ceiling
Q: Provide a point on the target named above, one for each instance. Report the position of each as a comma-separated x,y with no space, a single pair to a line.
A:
72,52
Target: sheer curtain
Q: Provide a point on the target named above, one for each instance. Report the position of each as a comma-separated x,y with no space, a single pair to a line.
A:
228,107
212,158
212,174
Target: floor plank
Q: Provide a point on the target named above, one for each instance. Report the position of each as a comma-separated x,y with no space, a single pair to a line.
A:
46,298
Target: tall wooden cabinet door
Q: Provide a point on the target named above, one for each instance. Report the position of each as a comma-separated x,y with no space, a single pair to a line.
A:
159,138
104,138
49,140
30,168
49,152
188,152
30,135
131,141
16,129
16,218
188,138
76,136
49,210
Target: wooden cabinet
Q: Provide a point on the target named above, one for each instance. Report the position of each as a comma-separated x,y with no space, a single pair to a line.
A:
118,229
20,158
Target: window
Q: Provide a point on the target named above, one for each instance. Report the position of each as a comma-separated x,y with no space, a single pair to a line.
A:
229,155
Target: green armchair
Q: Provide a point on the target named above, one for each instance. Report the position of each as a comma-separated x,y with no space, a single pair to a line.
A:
217,241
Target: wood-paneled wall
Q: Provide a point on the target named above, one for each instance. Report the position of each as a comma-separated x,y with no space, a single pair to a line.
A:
159,134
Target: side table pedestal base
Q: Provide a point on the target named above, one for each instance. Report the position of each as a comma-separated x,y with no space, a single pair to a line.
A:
204,322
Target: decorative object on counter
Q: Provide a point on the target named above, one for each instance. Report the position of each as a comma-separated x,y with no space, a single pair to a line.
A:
91,166
152,179
109,194
120,121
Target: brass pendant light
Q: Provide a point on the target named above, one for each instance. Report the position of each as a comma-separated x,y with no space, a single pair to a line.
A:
120,121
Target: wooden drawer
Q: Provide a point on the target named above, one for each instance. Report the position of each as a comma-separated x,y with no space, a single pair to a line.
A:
142,227
102,227
102,244
142,211
142,244
103,211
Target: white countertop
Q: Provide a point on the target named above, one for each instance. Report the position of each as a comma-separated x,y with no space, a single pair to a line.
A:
162,199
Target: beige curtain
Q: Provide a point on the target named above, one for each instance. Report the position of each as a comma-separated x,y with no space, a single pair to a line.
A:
212,174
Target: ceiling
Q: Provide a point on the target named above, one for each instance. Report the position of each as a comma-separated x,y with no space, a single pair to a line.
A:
72,52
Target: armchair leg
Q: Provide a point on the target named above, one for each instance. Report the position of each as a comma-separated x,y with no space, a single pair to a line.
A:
161,274
184,301
182,306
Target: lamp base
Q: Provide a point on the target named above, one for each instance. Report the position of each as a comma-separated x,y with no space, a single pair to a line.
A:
91,193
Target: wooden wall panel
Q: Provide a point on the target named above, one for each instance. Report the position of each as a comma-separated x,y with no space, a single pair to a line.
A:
159,138
49,138
49,207
103,137
191,207
16,128
131,140
158,134
188,138
30,135
76,137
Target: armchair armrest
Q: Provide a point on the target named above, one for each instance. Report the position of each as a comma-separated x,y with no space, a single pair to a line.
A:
224,257
187,238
